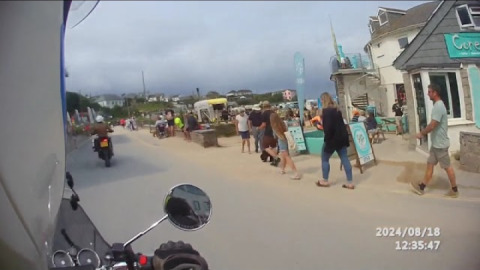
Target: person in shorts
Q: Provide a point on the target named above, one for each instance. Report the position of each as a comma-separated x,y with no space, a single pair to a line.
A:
440,143
397,109
170,115
279,129
242,128
269,141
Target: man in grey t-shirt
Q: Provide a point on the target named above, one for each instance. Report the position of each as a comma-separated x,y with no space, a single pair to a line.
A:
440,143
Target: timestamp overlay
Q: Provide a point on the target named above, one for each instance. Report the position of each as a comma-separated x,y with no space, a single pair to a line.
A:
412,238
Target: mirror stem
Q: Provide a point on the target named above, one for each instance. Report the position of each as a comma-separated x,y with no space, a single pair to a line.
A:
144,232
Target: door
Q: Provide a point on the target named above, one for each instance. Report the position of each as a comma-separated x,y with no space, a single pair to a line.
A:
421,109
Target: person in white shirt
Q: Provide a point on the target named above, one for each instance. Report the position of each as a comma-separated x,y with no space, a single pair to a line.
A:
241,126
362,117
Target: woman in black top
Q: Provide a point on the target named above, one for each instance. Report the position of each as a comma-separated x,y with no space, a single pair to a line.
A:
335,140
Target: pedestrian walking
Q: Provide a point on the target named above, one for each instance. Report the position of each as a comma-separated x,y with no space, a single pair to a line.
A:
254,122
269,141
440,143
335,140
242,128
279,128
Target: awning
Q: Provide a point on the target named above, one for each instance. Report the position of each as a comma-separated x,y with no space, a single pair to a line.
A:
216,101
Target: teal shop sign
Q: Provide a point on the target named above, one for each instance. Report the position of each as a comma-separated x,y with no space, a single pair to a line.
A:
463,45
362,143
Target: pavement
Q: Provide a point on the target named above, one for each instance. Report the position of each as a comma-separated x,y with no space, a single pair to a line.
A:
396,166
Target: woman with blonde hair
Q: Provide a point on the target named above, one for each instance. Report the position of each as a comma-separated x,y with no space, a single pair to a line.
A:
279,128
335,140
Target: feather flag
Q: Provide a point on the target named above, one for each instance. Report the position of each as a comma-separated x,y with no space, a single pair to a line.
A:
335,46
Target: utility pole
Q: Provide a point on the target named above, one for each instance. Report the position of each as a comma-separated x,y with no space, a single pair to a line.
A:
144,90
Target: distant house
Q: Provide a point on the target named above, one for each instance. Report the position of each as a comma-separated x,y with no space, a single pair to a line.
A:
239,94
153,98
156,98
289,94
109,101
245,92
175,98
232,93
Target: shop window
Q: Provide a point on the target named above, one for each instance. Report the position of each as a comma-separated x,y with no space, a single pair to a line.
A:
403,42
468,16
448,85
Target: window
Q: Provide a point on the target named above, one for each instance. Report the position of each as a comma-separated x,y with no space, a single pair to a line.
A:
382,17
371,27
403,42
468,16
448,92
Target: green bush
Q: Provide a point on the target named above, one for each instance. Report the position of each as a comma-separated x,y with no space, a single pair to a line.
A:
225,130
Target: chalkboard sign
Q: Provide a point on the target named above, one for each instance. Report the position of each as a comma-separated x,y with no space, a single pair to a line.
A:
296,131
360,148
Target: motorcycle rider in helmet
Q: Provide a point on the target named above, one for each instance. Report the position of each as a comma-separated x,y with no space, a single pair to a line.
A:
32,78
101,129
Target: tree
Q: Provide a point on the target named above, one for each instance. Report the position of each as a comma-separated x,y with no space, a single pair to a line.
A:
244,101
276,98
73,102
212,94
78,102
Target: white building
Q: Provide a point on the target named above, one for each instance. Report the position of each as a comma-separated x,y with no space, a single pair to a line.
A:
392,30
110,101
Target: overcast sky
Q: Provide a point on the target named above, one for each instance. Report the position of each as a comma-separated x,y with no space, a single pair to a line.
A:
215,46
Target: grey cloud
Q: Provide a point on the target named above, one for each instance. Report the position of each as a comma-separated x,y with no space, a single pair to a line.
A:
211,45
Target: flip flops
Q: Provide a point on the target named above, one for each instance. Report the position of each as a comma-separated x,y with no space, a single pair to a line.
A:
348,187
296,177
321,185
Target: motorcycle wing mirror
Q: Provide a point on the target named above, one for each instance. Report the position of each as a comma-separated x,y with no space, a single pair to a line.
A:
188,207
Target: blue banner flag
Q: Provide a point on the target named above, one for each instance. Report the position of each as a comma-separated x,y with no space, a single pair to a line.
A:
300,81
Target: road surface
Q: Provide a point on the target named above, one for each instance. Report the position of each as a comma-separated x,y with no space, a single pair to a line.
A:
269,224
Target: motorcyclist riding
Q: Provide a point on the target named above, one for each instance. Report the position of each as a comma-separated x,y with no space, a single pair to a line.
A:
101,129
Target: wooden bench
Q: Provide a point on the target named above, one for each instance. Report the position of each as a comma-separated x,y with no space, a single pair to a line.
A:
205,138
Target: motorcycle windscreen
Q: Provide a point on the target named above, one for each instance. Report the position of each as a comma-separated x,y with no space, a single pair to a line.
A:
81,231
32,156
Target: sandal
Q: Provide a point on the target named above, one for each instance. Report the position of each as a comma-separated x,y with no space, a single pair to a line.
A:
282,172
321,185
348,186
296,177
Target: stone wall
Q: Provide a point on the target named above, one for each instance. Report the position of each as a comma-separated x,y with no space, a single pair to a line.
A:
470,151
205,138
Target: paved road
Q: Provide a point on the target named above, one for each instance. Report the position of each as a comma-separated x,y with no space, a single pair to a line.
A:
263,225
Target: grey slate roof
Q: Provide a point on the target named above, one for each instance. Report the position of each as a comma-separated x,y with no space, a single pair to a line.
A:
428,48
415,15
